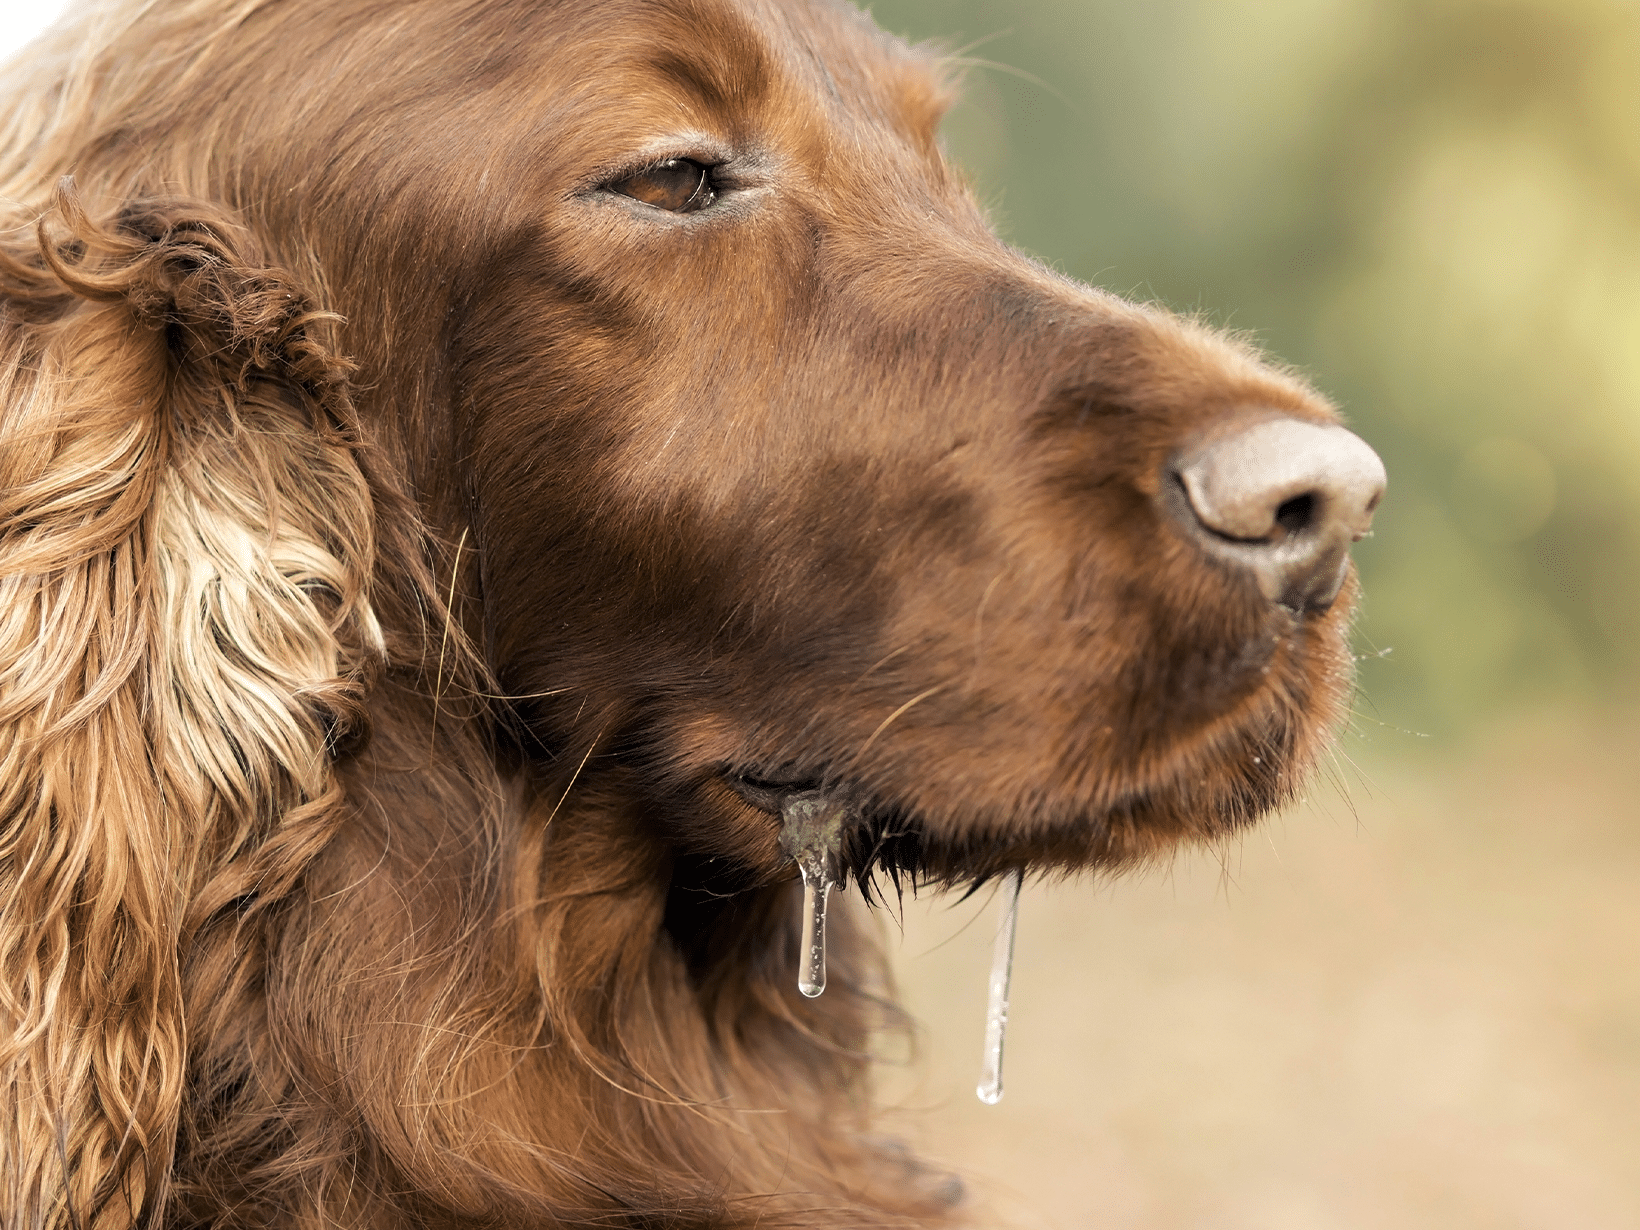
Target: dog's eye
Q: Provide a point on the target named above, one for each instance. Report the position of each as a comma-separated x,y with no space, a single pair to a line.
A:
681,185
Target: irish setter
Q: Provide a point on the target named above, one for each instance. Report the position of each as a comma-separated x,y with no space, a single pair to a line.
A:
466,467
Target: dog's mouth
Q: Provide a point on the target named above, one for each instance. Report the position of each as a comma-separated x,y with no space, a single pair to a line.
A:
873,842
914,830
767,790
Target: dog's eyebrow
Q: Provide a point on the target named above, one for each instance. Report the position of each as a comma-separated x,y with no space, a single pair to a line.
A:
716,56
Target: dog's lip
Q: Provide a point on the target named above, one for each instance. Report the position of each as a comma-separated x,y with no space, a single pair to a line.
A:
768,791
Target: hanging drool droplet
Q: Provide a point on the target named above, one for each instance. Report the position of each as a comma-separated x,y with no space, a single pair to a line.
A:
811,968
811,833
1002,971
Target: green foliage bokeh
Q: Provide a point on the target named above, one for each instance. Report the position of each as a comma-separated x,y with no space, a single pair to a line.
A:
1431,207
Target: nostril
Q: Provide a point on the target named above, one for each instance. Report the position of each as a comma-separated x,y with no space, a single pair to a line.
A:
1294,515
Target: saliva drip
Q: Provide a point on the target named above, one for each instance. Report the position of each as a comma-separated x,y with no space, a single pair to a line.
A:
811,962
996,1012
811,833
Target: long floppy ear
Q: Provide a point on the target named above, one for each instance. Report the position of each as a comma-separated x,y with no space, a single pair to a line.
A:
185,637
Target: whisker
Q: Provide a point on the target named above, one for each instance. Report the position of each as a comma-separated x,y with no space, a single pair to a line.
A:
956,56
868,670
920,696
1022,74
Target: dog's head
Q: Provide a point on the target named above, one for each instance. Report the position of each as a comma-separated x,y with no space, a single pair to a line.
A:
778,470
773,468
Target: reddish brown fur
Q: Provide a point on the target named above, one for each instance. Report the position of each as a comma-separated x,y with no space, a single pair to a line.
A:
340,392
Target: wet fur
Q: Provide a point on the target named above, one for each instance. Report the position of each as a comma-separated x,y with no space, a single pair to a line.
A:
406,547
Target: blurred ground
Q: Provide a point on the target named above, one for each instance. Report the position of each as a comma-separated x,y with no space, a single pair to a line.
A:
1416,1008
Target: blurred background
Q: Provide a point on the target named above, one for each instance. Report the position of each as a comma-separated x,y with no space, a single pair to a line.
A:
1413,1001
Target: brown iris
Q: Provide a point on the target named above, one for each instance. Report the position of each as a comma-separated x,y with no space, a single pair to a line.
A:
681,185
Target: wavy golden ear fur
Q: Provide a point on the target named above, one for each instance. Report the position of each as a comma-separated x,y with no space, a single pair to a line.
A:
185,636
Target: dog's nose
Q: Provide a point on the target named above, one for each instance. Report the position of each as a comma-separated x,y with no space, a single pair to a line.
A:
1284,498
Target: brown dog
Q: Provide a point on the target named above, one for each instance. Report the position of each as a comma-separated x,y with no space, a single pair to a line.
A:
620,412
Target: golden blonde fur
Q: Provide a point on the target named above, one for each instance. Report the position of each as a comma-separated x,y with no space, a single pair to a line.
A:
185,628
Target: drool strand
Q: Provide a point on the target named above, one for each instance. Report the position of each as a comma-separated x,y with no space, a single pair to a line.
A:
811,966
996,1012
811,834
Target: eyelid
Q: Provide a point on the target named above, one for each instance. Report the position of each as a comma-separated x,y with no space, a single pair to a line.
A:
706,164
697,146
